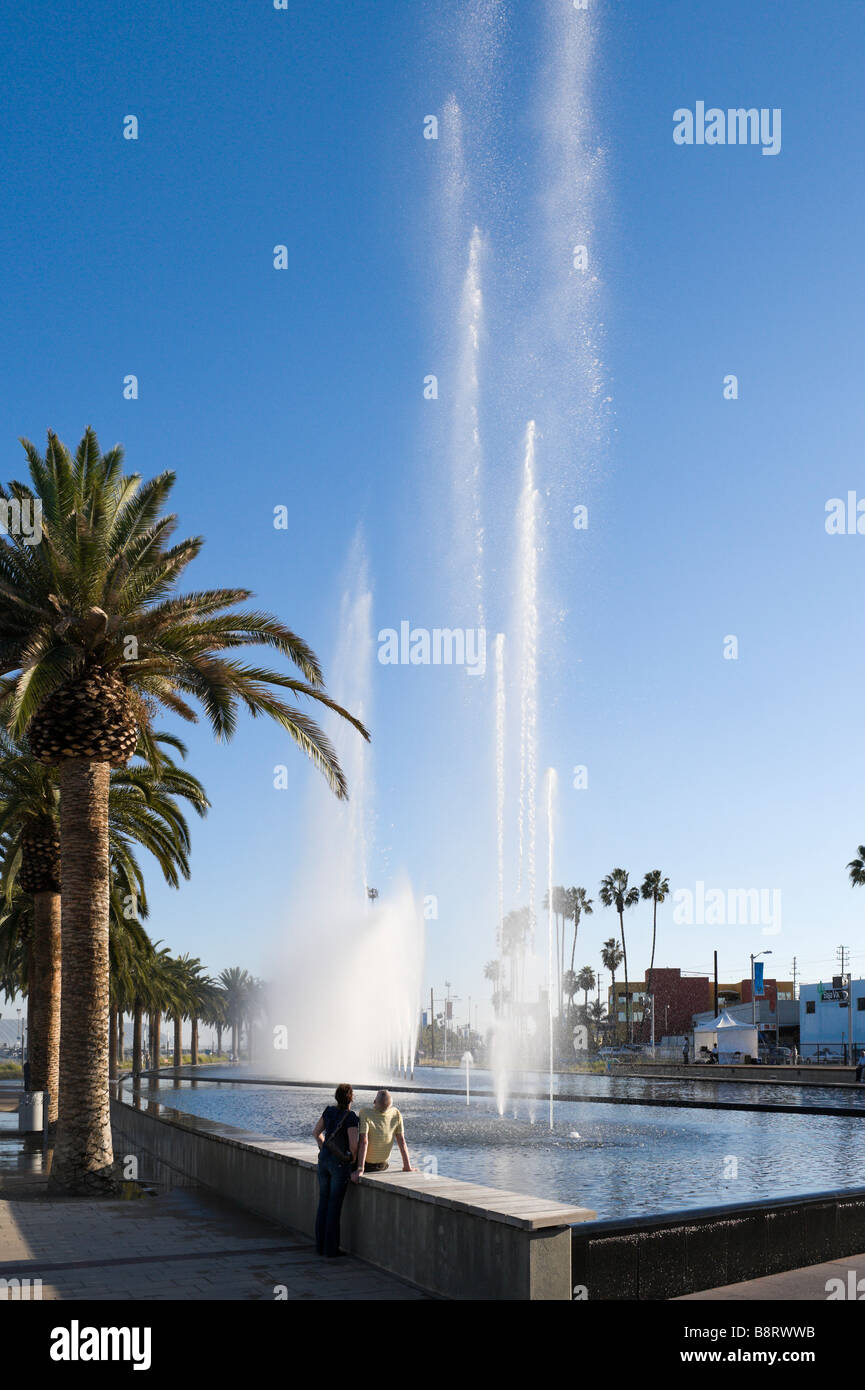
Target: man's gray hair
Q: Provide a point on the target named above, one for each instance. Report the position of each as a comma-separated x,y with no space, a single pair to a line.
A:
383,1100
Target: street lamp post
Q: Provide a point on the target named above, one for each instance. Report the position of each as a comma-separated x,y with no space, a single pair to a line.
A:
754,995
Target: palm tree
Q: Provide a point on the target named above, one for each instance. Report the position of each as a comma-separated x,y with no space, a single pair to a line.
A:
133,972
655,888
857,868
579,904
142,810
611,955
570,985
94,639
586,981
186,971
202,991
31,861
595,1017
213,1010
516,933
614,892
236,984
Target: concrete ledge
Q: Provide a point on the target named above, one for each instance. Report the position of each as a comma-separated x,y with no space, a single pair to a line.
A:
451,1238
667,1256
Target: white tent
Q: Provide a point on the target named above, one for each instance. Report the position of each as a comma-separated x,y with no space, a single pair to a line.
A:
733,1038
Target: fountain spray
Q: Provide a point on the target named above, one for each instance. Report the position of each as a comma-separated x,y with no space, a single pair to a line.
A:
551,787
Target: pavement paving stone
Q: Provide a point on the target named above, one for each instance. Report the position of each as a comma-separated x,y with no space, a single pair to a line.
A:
184,1244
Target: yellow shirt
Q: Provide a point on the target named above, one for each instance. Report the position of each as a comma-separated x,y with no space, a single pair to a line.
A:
381,1127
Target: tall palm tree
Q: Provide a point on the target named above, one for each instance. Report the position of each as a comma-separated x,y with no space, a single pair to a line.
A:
654,888
142,810
614,892
516,931
611,955
857,868
579,905
31,861
202,990
236,983
213,1010
94,639
187,979
16,938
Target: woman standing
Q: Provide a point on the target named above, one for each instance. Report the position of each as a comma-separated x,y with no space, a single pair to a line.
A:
336,1135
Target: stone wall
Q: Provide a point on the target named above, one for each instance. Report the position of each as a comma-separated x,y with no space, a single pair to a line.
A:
450,1238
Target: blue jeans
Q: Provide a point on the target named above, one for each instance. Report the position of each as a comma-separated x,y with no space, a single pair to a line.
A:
333,1180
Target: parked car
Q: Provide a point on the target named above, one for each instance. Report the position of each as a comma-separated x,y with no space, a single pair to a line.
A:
775,1054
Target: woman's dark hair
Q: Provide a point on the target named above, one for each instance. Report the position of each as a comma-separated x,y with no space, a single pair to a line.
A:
344,1096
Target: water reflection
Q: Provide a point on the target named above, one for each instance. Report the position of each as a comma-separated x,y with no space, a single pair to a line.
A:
620,1160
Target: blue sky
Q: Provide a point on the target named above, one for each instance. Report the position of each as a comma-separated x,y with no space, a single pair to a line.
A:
304,127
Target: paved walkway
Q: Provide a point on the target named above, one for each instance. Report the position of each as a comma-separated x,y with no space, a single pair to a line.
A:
807,1285
182,1244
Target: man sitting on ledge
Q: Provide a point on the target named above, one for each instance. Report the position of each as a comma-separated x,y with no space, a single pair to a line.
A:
379,1127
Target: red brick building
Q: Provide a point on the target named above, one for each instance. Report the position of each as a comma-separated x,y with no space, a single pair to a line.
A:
678,997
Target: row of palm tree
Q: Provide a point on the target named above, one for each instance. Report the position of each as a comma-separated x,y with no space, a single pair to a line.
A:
96,644
571,905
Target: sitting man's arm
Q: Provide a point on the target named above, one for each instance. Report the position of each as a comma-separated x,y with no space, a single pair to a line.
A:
399,1136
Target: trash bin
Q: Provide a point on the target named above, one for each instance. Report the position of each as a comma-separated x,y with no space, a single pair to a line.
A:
30,1108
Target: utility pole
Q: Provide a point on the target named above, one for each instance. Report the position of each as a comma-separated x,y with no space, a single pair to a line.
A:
843,954
432,1023
716,984
795,977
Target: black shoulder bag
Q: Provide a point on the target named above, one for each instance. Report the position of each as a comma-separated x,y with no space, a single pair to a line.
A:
333,1148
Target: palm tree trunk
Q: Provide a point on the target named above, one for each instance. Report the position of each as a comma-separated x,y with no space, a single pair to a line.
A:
84,1158
112,1043
219,1039
627,990
249,1040
574,947
137,1018
649,988
157,1056
32,1005
44,1045
118,1041
193,1047
178,1052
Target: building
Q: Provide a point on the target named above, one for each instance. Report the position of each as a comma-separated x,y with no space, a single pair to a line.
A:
777,1018
679,998
826,1012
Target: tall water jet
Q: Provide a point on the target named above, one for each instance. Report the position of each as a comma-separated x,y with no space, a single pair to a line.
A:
350,959
551,789
499,1067
467,451
501,710
527,608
